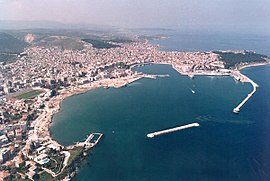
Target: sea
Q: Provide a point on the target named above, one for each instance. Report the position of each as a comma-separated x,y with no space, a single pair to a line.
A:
226,146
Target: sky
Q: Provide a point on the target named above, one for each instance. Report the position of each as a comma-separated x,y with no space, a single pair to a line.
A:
241,15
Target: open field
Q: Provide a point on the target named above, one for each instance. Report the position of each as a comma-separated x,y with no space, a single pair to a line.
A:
29,94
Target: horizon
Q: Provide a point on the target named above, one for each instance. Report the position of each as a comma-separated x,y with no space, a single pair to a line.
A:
222,16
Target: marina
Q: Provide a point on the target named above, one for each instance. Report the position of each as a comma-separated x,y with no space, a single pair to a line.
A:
91,141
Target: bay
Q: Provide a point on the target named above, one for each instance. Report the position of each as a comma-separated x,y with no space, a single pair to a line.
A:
226,146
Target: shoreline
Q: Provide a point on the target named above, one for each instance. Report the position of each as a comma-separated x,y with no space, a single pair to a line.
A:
44,121
241,67
53,106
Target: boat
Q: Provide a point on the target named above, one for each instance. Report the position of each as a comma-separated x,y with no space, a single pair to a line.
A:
193,91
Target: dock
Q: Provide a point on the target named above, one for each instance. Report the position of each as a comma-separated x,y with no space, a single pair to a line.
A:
91,141
151,135
254,85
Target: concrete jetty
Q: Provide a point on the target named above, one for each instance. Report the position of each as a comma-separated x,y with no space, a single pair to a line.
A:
151,135
254,85
91,140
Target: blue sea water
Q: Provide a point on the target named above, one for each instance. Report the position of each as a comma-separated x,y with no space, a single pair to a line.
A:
226,146
194,41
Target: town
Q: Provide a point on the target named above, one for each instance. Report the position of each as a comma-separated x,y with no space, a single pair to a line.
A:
33,86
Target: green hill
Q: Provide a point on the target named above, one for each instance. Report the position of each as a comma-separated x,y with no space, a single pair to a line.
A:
99,44
61,42
231,59
10,47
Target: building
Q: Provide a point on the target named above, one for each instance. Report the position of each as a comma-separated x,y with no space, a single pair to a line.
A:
4,154
4,176
3,139
19,161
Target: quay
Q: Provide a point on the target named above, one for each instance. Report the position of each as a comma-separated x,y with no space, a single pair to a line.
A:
151,135
91,141
254,85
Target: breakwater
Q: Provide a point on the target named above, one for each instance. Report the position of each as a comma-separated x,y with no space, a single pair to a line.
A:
254,85
151,135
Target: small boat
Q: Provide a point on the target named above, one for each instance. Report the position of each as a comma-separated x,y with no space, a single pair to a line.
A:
193,91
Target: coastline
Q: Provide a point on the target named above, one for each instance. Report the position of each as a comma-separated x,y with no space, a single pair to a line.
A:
253,65
236,74
44,121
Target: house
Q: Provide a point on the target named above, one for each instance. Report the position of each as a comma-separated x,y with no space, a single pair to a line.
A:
19,161
3,139
4,176
4,154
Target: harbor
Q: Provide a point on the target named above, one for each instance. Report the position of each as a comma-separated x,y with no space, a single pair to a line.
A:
151,135
126,124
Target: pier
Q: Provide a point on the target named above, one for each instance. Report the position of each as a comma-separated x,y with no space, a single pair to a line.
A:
91,140
151,135
254,85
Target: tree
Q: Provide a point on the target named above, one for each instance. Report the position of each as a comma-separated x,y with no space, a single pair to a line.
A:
53,93
36,177
41,106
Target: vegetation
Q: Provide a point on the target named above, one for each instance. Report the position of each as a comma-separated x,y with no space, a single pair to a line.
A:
55,164
11,116
267,59
75,161
7,57
232,59
121,65
61,42
28,95
46,177
100,44
10,44
10,47
53,93
74,153
121,41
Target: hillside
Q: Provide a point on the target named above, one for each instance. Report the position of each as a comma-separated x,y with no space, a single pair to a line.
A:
99,44
231,59
10,44
61,42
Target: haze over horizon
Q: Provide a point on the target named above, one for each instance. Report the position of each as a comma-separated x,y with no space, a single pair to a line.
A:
219,15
